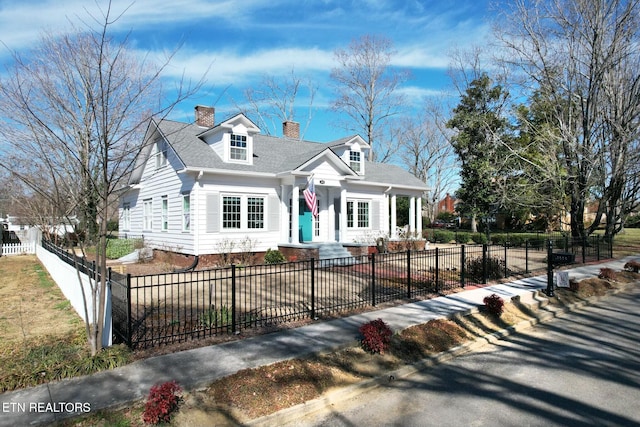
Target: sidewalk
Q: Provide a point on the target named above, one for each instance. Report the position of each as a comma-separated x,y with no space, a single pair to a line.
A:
197,368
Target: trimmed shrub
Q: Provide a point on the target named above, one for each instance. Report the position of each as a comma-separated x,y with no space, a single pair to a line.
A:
499,239
479,238
516,240
274,257
633,266
162,402
495,268
443,236
463,237
607,274
494,304
537,242
376,336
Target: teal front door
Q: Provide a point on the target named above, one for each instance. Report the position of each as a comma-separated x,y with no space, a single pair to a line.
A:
305,222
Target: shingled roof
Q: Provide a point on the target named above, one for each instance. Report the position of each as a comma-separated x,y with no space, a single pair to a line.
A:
271,155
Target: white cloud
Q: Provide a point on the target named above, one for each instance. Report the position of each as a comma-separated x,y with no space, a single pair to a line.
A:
21,22
233,67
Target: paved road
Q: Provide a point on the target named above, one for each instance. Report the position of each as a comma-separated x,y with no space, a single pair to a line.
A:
579,370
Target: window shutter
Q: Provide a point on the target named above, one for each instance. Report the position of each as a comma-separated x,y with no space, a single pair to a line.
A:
375,215
213,213
274,213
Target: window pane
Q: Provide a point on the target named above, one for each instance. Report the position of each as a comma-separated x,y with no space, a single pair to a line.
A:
354,160
186,213
255,212
349,214
230,212
147,217
363,214
238,147
165,213
161,154
126,216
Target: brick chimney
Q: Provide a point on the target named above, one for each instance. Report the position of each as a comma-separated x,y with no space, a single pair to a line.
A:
205,116
291,129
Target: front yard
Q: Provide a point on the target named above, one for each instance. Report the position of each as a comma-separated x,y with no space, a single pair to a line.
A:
44,340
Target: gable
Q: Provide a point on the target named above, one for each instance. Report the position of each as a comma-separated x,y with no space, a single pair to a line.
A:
326,165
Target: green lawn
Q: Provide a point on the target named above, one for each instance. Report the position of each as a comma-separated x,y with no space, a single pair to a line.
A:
626,243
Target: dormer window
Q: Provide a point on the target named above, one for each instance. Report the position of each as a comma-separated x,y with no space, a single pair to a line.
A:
238,147
355,161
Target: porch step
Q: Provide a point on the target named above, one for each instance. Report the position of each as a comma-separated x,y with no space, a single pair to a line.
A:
335,251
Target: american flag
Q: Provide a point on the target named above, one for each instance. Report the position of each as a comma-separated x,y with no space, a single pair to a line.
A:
310,197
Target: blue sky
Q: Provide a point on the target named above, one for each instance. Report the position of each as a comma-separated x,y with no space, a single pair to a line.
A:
239,41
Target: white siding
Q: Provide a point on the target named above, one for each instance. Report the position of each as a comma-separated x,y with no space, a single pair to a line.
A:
156,183
212,236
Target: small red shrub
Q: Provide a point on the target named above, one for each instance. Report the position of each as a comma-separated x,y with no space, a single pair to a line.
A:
494,304
574,285
607,274
376,336
162,402
632,266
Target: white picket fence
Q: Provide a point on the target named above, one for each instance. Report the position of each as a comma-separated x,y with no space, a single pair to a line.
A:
18,248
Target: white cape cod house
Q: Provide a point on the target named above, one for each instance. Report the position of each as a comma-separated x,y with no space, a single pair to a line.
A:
198,187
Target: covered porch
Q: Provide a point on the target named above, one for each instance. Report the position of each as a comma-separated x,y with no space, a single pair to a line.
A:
347,214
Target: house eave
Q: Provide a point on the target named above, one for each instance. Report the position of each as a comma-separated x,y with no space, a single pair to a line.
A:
390,187
200,171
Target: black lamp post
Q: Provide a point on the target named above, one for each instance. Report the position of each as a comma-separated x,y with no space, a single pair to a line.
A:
549,291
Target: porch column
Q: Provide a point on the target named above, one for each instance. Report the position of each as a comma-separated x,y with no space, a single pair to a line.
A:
384,226
295,212
284,214
394,226
412,215
419,216
343,215
331,220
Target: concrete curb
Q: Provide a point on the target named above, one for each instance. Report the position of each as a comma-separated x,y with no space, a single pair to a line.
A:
539,302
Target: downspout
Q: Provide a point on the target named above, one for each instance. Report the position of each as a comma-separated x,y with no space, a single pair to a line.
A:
191,267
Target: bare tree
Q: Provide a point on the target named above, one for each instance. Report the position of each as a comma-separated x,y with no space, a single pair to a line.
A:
276,100
73,114
426,151
366,90
582,56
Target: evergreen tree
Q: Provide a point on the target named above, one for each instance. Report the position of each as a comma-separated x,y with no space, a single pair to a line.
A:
479,143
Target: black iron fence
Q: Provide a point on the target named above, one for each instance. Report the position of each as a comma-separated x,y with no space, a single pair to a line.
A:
166,308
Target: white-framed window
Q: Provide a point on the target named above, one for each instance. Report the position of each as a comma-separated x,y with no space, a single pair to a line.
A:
161,154
231,212
255,212
358,214
355,160
186,212
238,147
147,215
243,212
165,214
126,216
